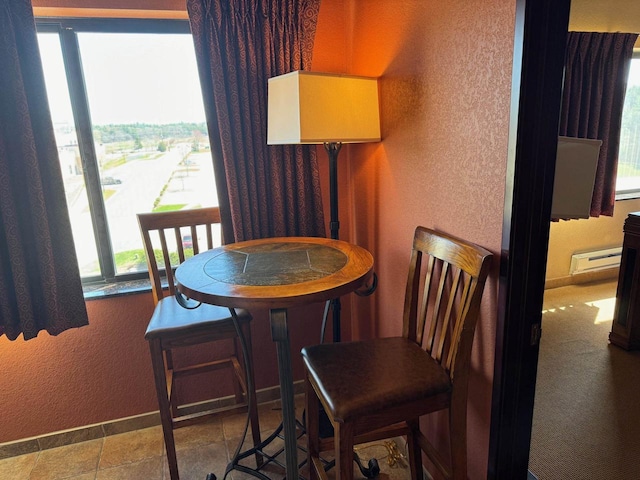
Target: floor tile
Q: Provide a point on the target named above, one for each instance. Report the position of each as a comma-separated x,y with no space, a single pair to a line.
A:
270,416
18,468
67,461
84,476
199,434
150,469
197,462
131,447
201,449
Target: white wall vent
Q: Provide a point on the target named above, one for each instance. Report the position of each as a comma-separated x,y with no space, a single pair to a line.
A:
595,260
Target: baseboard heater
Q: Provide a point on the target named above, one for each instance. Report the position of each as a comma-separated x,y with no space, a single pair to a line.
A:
595,260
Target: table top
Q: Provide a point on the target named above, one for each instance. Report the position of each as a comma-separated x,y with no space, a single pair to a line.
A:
275,272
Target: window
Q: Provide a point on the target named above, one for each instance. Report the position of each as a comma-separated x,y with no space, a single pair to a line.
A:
628,180
130,130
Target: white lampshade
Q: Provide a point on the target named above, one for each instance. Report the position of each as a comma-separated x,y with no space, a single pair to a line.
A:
311,107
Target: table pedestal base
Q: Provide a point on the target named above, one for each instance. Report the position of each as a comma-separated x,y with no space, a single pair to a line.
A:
280,335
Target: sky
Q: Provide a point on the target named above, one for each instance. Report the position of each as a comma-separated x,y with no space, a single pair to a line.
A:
145,78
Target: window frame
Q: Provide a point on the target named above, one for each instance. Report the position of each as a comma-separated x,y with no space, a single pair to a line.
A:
67,30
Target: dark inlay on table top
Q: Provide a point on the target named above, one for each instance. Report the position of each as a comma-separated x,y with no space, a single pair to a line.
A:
275,264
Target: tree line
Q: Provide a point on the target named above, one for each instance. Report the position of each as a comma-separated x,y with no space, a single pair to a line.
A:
138,132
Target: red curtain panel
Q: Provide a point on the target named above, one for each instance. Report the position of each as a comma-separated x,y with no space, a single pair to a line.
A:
40,287
264,191
596,70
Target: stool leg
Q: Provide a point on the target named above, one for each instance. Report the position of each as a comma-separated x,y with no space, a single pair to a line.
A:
157,361
312,408
344,450
173,396
240,377
458,438
414,450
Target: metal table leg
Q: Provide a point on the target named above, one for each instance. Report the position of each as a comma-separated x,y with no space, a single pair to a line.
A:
280,335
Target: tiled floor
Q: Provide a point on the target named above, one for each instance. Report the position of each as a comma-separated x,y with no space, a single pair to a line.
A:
201,449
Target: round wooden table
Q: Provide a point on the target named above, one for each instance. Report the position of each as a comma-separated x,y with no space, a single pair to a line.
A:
276,273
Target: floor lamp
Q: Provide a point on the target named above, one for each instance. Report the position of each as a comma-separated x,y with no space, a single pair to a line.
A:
329,109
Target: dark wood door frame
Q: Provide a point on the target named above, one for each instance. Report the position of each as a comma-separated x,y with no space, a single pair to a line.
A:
539,46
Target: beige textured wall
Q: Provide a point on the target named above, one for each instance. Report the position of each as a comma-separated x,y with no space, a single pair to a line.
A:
566,238
605,16
577,236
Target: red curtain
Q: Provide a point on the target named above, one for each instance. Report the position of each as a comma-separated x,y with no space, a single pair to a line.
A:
40,286
264,191
596,70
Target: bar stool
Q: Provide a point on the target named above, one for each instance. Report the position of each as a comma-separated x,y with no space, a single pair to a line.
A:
167,237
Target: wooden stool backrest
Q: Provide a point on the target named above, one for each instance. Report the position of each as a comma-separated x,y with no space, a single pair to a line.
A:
170,228
442,301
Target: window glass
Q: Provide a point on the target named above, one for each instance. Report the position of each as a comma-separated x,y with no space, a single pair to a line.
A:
628,179
149,134
149,130
68,153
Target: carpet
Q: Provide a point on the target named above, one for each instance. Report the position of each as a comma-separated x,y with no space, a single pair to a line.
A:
586,422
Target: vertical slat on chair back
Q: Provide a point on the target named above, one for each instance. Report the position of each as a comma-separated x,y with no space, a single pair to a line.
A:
172,224
444,289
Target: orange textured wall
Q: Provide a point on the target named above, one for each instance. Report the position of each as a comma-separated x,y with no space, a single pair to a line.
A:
82,376
445,81
102,372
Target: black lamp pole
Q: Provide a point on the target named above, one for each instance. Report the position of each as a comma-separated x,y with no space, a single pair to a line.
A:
333,148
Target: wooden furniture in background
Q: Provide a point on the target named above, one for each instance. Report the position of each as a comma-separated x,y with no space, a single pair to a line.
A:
275,274
377,389
625,331
174,327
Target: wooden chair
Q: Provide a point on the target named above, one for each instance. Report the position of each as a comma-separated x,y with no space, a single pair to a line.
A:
166,236
376,389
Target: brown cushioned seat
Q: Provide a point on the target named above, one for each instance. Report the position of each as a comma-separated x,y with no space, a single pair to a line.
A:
171,317
403,373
